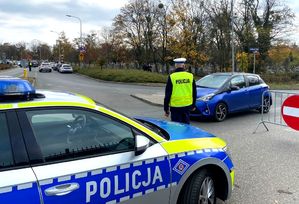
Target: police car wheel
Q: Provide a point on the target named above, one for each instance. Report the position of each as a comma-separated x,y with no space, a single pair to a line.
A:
220,112
200,189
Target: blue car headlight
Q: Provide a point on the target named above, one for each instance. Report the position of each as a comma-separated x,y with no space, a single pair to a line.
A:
206,97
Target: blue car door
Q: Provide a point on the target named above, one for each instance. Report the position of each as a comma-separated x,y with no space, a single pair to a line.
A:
237,99
18,183
89,157
256,89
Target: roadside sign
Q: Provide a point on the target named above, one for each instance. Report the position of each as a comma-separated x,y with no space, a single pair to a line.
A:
82,49
253,49
81,56
290,111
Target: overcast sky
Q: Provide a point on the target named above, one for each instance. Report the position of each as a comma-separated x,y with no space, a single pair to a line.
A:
27,20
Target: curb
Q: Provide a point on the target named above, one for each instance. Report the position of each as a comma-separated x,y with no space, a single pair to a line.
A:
118,82
147,101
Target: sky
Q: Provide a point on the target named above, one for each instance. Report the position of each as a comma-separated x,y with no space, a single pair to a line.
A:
28,20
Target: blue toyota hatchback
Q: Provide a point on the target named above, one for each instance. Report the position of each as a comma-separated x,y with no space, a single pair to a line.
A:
222,93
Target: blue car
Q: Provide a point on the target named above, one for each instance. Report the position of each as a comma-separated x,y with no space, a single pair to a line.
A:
220,94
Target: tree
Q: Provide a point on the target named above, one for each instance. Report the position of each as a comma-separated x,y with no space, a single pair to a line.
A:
219,33
271,18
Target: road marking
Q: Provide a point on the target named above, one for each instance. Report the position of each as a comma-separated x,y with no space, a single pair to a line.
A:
290,111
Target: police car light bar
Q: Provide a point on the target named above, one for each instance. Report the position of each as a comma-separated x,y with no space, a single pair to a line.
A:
15,88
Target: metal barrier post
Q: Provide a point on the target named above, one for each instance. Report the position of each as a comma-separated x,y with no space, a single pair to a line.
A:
25,74
272,98
262,112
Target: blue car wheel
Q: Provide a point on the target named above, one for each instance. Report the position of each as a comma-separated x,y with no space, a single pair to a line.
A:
220,112
266,105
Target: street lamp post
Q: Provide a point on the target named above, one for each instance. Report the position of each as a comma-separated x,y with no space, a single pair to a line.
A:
80,44
232,34
164,38
58,44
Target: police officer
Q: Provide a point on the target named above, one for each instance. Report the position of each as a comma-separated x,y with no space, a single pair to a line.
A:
30,66
180,93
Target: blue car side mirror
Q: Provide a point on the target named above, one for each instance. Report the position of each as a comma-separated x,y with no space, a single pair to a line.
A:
234,88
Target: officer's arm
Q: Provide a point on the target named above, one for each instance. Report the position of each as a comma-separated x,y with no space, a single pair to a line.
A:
168,92
194,93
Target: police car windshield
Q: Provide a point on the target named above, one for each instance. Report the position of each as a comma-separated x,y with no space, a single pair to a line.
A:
212,81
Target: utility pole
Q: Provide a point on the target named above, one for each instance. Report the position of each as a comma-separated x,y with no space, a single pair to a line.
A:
232,34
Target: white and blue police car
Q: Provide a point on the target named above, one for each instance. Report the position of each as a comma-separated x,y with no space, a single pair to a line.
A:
64,148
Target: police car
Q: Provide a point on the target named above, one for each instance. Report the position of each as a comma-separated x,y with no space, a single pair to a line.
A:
64,148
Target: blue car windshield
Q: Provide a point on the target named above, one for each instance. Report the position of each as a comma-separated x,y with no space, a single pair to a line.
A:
212,81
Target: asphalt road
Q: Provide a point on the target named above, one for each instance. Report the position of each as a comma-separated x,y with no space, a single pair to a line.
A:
266,163
16,72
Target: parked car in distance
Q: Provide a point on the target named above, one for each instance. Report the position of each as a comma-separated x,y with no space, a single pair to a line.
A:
55,66
220,94
65,68
45,67
34,63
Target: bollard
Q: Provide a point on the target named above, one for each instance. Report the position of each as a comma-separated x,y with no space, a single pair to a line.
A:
25,73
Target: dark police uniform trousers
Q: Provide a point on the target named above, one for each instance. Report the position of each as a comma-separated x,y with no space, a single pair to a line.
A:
181,114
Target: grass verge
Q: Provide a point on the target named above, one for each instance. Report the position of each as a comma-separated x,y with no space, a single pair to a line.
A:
277,82
284,86
123,75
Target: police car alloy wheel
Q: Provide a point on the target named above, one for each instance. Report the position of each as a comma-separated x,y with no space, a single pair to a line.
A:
221,112
200,189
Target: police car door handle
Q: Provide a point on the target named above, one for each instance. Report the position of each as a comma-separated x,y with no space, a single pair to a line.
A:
61,190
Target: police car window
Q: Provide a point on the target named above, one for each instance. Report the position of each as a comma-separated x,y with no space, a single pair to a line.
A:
238,81
253,80
6,158
66,134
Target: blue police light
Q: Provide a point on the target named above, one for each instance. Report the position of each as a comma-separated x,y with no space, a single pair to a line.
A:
10,86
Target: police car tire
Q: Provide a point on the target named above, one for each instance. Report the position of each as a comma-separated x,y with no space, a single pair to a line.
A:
192,190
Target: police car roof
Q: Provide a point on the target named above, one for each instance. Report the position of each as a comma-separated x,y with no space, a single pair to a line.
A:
233,73
51,98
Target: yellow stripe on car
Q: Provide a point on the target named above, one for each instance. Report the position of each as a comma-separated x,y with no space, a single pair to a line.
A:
6,106
185,145
232,176
55,103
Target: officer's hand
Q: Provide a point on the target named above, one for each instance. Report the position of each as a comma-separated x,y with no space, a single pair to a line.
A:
166,114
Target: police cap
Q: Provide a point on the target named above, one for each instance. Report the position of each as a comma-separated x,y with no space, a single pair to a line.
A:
179,60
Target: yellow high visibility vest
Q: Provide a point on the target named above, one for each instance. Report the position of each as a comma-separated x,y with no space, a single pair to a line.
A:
181,89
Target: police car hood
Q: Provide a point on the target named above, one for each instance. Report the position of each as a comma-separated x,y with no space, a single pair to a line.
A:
204,91
175,131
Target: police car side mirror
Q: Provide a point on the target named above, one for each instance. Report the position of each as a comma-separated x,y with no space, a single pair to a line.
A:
141,144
